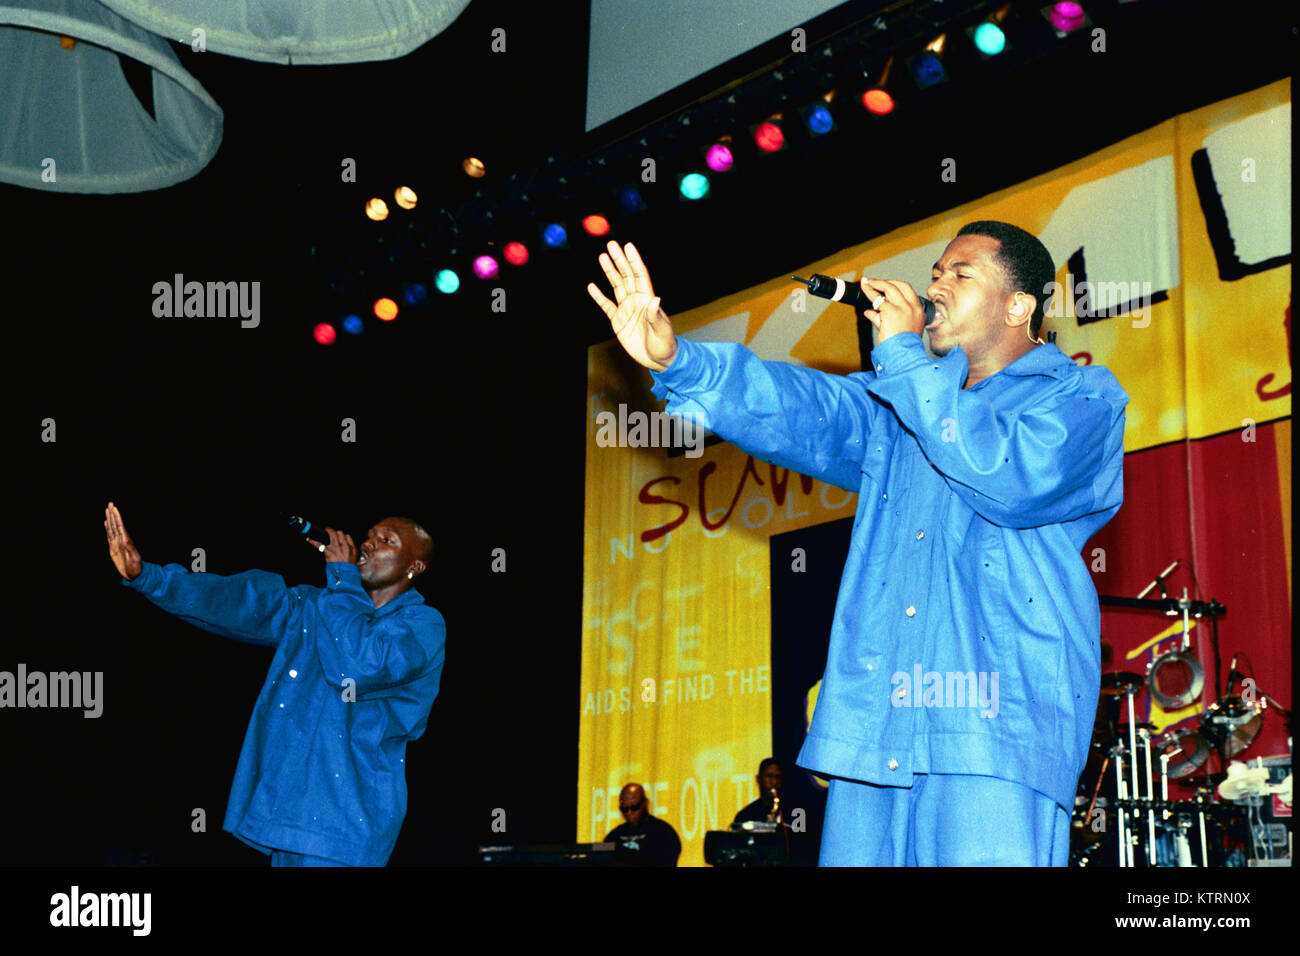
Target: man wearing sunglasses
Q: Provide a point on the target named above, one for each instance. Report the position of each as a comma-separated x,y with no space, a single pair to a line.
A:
642,839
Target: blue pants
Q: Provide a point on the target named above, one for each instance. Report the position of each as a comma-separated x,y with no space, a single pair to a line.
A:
284,858
943,820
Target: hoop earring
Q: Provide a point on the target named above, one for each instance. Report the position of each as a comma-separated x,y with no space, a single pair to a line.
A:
1029,335
410,575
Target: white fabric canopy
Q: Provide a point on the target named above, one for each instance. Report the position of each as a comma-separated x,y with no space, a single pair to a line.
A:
298,31
74,107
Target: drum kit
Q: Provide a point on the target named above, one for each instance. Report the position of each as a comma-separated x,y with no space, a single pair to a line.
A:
1123,812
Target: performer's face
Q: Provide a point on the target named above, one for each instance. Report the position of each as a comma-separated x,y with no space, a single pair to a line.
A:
386,553
968,289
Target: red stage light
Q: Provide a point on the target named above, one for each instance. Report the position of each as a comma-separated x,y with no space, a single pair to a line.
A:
324,333
769,137
596,225
516,253
878,102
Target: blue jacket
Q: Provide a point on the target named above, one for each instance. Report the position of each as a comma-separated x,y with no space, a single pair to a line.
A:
966,636
322,770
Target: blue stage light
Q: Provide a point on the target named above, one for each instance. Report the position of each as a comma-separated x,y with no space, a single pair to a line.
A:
415,294
629,197
820,120
555,236
927,70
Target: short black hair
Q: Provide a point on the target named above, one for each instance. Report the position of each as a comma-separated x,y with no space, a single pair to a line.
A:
767,762
1025,261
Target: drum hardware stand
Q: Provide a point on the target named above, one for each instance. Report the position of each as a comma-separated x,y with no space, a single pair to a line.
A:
1131,693
1180,824
1121,803
1130,802
1202,798
1150,800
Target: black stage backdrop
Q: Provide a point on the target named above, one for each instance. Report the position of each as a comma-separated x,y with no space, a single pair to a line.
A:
803,607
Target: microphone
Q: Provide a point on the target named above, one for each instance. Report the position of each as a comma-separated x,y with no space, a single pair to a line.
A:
1159,579
837,290
308,528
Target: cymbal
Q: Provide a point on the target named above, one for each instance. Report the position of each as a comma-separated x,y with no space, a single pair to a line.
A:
1186,749
1118,683
1238,721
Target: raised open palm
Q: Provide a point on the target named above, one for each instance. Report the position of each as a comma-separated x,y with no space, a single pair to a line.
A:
641,326
121,549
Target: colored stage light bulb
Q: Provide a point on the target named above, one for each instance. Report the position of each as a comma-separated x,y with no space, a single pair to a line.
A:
555,235
719,158
516,253
820,120
989,39
447,281
769,137
324,333
1066,16
927,70
385,310
352,324
405,197
694,186
485,267
878,102
596,225
629,198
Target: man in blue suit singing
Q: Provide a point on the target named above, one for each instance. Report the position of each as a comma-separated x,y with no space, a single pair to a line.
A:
964,663
321,779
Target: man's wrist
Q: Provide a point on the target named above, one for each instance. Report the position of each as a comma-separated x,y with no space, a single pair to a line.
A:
683,366
146,580
898,353
337,573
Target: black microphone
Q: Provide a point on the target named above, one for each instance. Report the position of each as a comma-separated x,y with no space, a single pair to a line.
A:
308,529
837,290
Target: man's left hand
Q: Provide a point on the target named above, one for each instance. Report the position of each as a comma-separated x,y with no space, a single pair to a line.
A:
897,308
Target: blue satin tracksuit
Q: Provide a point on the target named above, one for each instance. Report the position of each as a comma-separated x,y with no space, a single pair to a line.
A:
322,771
966,636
